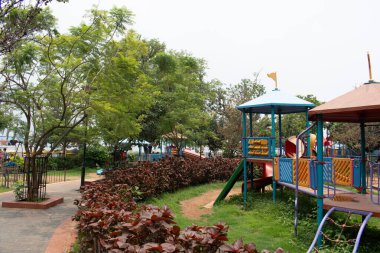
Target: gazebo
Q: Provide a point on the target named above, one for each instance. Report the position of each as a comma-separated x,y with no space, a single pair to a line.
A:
261,150
360,105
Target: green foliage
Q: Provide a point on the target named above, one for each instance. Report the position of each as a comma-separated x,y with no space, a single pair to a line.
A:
46,80
19,190
229,121
349,135
131,157
108,203
23,20
18,160
124,91
96,154
64,163
293,124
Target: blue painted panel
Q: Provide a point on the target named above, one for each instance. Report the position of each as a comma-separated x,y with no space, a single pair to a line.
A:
327,169
357,173
155,157
286,170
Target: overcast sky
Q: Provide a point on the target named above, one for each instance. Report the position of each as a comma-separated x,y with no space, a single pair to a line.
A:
316,47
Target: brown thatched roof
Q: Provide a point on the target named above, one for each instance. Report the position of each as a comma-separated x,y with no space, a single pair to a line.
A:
360,104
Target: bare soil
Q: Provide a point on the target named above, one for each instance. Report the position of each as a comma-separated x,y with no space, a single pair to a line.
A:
195,207
90,176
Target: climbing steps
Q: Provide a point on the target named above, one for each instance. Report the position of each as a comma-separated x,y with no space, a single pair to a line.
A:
358,237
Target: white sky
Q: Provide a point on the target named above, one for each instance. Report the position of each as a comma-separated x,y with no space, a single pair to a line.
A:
317,47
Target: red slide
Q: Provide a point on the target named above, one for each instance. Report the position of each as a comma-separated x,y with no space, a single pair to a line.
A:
188,153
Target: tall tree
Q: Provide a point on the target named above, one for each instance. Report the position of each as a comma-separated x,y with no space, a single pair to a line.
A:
124,92
293,124
49,81
229,119
183,94
21,20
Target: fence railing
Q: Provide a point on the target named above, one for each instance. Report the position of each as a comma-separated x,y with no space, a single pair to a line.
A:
10,173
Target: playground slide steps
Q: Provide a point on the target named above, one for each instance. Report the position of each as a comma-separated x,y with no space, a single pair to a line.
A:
360,232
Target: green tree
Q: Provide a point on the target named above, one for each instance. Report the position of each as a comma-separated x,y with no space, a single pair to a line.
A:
349,135
21,20
124,92
293,124
49,81
183,94
229,118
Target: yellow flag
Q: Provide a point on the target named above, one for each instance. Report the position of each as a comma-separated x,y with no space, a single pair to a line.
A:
273,76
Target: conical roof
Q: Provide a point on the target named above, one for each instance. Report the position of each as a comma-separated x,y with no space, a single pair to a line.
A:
281,101
359,105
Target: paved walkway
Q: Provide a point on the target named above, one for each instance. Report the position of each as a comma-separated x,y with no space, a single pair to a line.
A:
30,230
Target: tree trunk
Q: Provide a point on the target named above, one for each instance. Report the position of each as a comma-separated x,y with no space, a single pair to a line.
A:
32,178
35,178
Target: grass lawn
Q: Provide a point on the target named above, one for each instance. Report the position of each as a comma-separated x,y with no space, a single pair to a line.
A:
4,189
76,172
270,225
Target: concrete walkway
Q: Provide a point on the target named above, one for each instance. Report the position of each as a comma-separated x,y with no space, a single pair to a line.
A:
29,230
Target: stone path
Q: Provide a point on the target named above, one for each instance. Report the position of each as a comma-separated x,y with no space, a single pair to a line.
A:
30,230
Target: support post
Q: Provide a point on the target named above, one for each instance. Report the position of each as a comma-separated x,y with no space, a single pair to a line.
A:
280,134
250,125
251,164
319,173
83,172
273,149
244,122
363,158
308,148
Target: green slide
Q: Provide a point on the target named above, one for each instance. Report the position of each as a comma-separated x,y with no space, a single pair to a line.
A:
237,173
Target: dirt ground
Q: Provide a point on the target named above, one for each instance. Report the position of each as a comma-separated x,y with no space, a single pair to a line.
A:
90,176
195,207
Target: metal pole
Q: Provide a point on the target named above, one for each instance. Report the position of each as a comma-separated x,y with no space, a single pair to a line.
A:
250,124
273,148
244,122
280,134
308,148
83,174
363,158
297,176
319,173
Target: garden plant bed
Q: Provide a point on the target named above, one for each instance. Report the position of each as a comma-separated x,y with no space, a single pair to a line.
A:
50,202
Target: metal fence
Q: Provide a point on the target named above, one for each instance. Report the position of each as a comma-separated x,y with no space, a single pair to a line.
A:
10,173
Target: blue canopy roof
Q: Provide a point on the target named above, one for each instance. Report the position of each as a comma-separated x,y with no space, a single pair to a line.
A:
281,101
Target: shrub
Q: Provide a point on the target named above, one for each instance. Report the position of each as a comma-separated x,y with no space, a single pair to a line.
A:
61,163
109,220
95,154
171,174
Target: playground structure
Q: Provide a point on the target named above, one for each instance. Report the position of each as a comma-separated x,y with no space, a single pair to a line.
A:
317,176
261,151
169,151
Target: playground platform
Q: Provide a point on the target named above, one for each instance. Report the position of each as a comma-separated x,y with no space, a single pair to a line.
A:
343,199
354,201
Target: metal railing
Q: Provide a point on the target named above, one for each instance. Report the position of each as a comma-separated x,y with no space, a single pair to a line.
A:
360,232
374,186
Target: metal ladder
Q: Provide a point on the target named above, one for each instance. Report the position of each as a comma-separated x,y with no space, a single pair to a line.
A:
358,237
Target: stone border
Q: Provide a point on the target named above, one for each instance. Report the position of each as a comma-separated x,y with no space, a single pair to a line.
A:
50,202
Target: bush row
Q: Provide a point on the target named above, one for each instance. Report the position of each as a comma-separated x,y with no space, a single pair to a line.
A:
110,221
172,173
